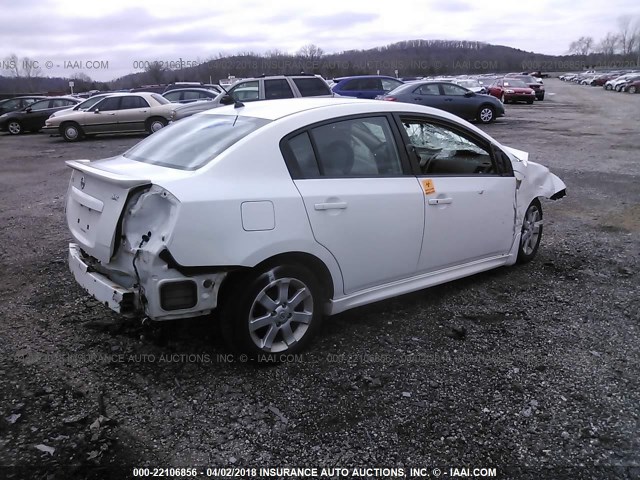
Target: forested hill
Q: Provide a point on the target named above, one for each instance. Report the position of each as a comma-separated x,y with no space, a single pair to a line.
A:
402,59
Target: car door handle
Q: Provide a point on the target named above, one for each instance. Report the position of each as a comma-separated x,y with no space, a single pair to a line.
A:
440,201
448,99
331,206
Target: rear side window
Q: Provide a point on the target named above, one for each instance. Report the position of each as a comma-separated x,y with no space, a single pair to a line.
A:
195,141
301,152
173,96
363,84
360,147
274,89
311,87
132,102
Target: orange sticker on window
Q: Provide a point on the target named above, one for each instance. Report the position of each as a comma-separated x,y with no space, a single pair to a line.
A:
428,186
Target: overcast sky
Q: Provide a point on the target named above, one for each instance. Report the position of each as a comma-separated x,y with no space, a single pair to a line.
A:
125,32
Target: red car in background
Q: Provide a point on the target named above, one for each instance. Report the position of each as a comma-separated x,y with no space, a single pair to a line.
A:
633,87
512,90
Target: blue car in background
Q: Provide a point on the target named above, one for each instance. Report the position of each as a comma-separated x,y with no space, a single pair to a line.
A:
365,86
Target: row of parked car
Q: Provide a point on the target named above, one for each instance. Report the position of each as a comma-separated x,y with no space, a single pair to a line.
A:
618,81
479,99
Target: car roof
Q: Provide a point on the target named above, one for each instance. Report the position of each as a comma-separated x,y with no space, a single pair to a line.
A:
190,89
339,79
330,108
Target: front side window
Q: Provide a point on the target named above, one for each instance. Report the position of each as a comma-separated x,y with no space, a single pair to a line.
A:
451,89
41,105
274,89
429,89
440,150
195,141
108,104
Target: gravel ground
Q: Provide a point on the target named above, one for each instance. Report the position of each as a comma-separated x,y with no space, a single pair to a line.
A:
532,370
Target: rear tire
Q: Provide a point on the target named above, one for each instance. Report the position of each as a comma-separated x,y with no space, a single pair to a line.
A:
531,232
530,102
633,89
156,123
274,311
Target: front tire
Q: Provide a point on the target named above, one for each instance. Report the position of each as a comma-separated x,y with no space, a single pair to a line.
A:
531,232
276,310
71,132
486,114
15,127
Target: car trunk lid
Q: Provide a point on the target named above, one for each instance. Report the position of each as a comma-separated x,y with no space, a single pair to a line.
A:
94,205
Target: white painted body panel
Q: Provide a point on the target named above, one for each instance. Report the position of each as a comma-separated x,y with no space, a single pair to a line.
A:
243,208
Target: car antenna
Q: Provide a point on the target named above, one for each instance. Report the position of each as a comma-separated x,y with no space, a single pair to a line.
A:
236,103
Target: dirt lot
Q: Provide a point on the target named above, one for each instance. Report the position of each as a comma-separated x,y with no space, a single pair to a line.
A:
531,370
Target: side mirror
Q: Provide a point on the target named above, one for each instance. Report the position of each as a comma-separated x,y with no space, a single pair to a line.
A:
469,94
227,100
28,109
96,111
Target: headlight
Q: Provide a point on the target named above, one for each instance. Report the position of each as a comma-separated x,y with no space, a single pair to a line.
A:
509,91
172,114
541,87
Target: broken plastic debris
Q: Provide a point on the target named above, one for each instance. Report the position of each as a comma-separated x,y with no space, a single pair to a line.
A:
46,449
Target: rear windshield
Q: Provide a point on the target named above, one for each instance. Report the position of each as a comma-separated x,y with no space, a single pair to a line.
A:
195,141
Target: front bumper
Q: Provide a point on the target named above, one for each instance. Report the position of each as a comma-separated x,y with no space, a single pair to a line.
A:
519,97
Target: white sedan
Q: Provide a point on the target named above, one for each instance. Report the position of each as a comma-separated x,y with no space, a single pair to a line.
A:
276,213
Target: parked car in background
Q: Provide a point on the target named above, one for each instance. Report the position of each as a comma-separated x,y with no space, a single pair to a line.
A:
449,97
633,87
470,84
512,90
315,206
188,95
365,86
611,84
18,103
116,113
532,83
85,105
622,86
33,117
260,88
149,88
177,85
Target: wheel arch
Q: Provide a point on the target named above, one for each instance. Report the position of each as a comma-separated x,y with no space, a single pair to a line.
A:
306,260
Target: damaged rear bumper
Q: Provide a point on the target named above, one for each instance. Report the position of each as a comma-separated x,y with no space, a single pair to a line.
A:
164,294
112,295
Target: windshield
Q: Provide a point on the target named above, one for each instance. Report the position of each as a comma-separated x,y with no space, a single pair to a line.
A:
515,83
88,103
195,141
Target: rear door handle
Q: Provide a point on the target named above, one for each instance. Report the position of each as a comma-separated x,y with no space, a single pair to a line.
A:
331,206
440,201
